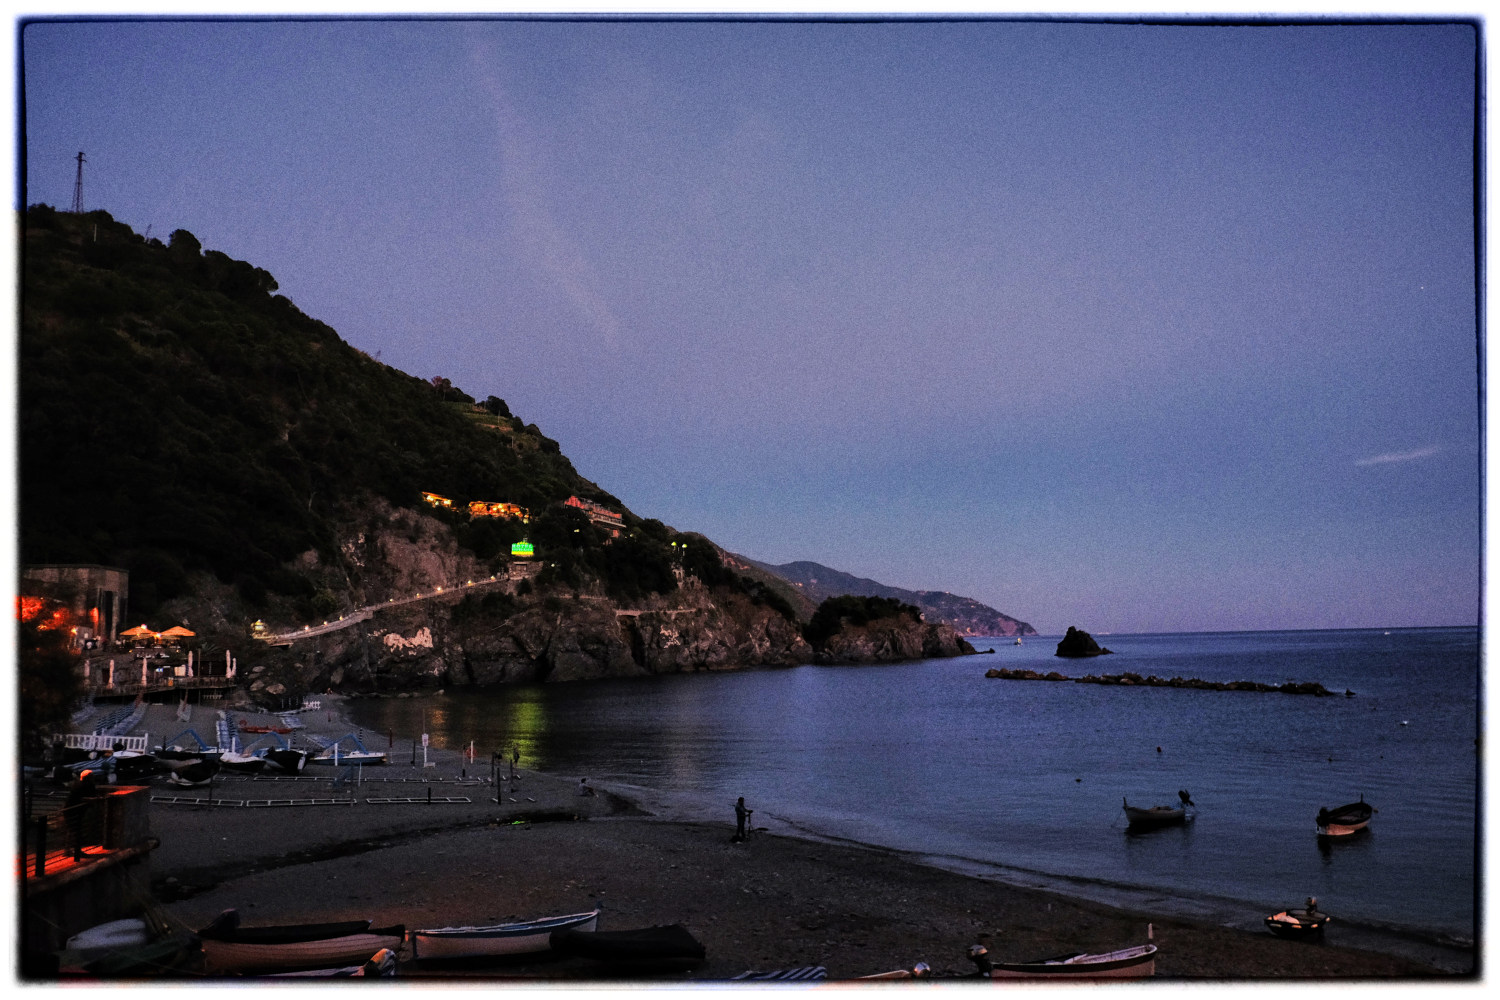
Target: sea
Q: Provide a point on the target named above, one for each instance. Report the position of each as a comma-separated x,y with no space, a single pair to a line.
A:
1024,781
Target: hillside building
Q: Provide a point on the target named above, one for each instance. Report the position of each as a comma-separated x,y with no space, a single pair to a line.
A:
96,597
487,508
599,514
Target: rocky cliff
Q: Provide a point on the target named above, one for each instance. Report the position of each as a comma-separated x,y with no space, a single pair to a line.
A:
890,639
501,639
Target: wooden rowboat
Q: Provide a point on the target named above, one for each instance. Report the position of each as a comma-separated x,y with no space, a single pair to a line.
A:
1344,820
1137,818
229,948
1302,923
1135,962
495,940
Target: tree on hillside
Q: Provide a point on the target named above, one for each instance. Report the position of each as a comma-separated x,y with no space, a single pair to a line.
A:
835,612
50,682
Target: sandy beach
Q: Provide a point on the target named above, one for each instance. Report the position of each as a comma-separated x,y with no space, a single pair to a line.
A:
380,849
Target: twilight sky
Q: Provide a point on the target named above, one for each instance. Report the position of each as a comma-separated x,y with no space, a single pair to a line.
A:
1134,328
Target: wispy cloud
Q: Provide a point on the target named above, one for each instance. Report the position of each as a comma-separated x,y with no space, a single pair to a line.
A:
524,184
1399,456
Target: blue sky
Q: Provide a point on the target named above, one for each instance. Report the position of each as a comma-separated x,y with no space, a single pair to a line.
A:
1126,327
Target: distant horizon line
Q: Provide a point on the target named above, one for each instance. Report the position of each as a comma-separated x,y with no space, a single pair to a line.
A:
1241,631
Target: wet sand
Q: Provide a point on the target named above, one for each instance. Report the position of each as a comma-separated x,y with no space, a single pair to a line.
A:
770,902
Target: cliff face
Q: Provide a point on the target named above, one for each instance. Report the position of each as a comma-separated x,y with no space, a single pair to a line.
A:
468,640
890,639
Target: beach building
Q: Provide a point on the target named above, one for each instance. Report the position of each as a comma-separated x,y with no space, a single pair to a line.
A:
96,597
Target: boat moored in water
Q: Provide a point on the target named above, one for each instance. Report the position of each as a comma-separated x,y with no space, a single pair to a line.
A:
1346,819
1137,818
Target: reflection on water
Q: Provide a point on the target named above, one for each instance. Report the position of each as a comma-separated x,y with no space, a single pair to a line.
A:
935,758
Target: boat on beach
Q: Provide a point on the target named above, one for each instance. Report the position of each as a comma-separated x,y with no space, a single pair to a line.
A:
1137,818
336,752
192,773
247,727
1299,924
645,949
287,759
177,748
231,949
242,763
496,940
1345,820
381,964
1135,962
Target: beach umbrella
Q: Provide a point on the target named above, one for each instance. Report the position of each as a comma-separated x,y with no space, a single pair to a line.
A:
139,630
177,632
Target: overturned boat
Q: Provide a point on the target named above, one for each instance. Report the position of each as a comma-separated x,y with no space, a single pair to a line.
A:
645,949
230,949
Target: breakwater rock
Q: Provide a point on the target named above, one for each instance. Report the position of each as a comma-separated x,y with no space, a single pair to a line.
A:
1024,675
1078,643
1290,687
1136,680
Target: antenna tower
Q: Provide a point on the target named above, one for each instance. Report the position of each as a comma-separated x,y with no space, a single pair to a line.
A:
78,187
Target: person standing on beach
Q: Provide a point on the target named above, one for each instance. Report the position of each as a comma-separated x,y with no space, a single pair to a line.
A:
741,816
79,809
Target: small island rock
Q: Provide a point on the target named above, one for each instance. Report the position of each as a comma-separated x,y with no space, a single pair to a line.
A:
1079,643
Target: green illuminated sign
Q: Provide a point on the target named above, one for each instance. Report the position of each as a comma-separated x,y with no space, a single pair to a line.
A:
524,549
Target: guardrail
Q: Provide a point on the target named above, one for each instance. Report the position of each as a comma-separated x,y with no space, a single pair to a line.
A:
101,741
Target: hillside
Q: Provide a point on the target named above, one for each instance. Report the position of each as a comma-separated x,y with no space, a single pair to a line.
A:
816,583
178,417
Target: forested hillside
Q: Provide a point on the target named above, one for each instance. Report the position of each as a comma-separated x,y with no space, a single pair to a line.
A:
176,414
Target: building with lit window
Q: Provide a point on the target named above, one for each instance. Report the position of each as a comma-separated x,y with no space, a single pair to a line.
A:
96,596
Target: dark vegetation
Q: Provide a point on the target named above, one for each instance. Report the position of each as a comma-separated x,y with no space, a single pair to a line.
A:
178,416
848,609
50,682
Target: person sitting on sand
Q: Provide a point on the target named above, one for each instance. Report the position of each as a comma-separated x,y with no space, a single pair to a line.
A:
583,787
741,817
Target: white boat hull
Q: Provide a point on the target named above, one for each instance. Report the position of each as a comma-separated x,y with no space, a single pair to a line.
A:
496,940
224,957
1136,962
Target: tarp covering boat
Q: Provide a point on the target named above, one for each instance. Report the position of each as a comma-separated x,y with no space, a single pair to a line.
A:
653,948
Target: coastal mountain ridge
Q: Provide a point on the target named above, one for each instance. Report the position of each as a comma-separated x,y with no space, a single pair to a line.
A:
260,478
816,583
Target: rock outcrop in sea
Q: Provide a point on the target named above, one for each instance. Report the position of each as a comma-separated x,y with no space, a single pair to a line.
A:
1078,643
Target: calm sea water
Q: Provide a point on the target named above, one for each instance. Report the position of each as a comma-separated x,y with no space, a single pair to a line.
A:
1026,779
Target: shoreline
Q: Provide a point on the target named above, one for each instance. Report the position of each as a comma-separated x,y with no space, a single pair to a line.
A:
649,858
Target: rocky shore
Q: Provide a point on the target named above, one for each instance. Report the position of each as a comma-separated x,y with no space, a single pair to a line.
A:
483,853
